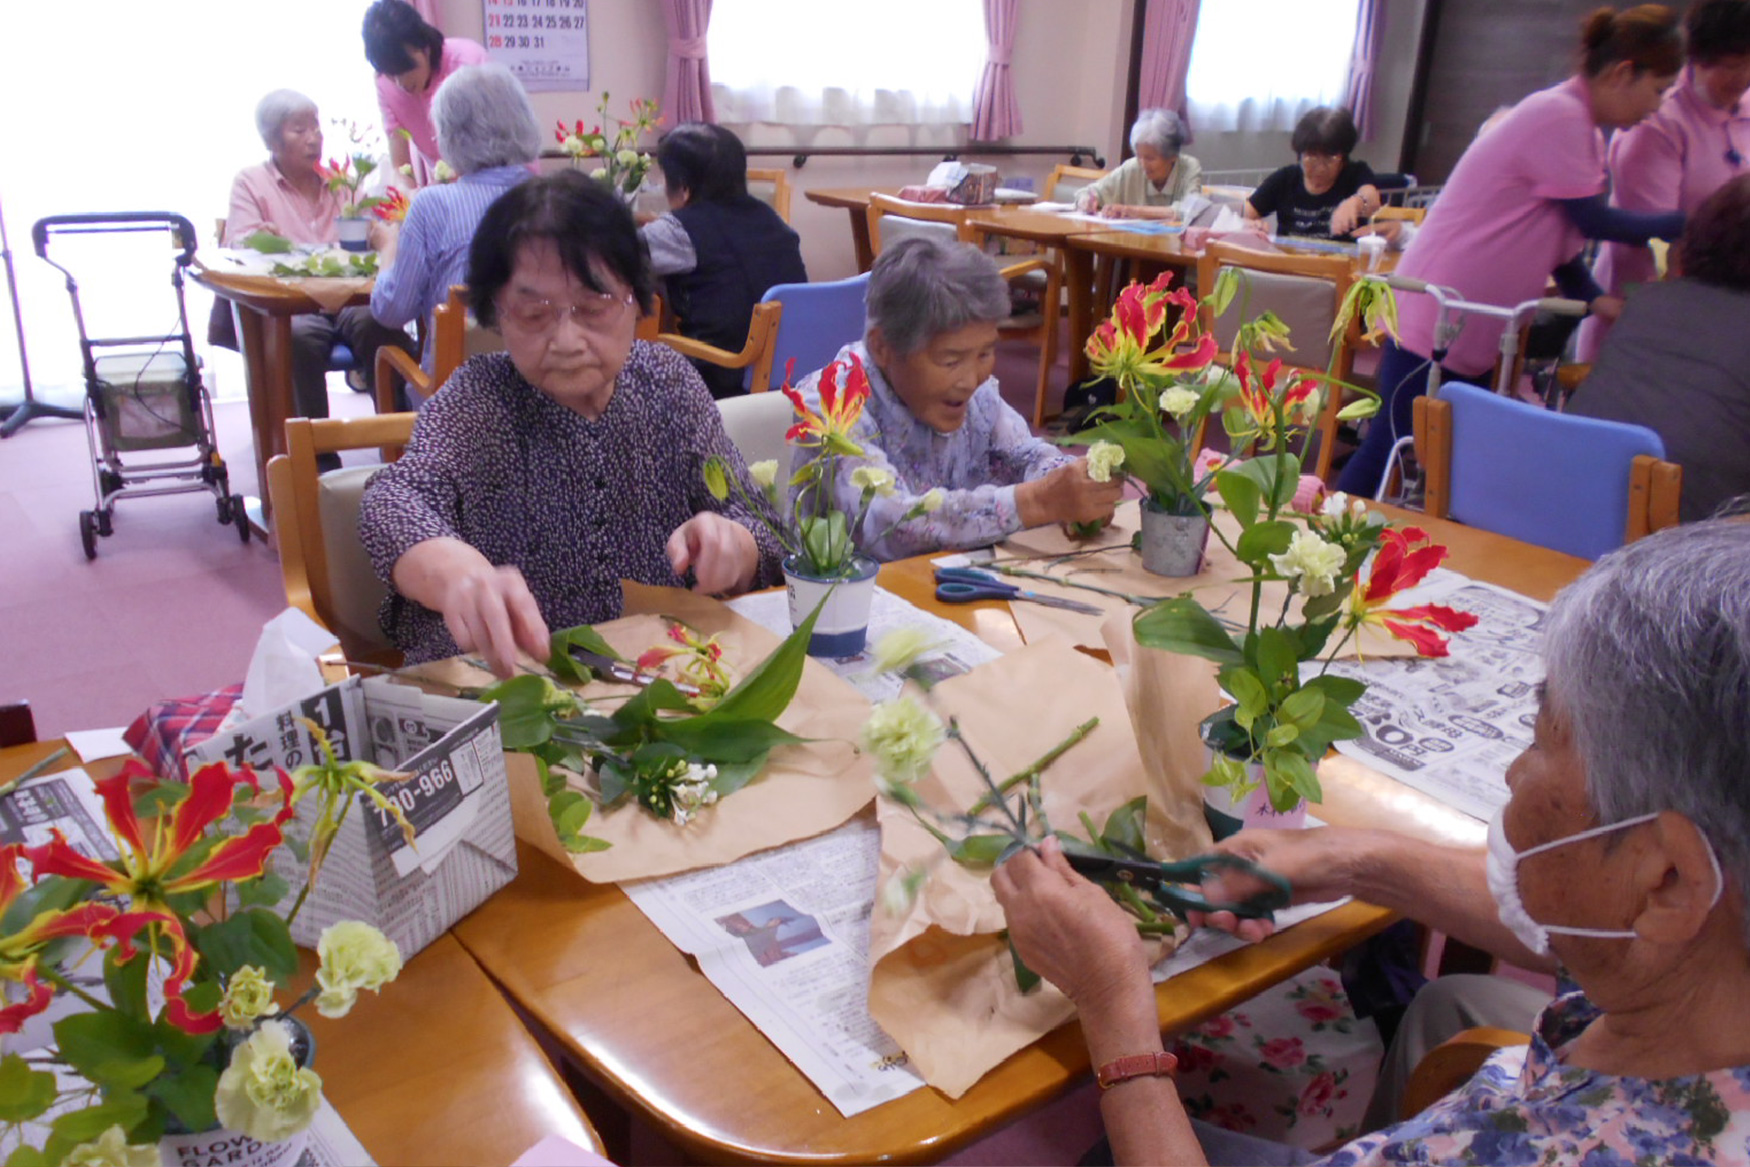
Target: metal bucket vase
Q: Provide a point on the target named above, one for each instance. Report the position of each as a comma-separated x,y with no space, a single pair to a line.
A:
354,234
843,626
1172,545
1226,816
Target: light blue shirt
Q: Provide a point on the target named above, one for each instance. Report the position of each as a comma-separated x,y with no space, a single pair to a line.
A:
432,252
977,467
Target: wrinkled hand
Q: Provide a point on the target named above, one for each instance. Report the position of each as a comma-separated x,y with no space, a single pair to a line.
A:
1087,202
1068,930
722,553
1345,216
1318,864
1068,495
490,610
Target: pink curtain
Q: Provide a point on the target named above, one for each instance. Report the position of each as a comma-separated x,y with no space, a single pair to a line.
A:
1168,29
996,113
1369,28
687,96
428,12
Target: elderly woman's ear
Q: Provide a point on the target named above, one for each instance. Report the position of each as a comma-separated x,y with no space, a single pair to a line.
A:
1683,885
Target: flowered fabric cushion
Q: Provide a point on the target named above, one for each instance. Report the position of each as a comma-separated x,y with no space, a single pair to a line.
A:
1293,1064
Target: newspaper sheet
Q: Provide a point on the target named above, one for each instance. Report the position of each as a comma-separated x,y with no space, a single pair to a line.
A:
784,934
1450,726
961,651
65,801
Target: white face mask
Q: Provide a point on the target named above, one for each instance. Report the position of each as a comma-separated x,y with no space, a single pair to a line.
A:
1503,876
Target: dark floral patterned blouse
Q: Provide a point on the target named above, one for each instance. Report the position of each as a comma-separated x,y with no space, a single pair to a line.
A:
576,505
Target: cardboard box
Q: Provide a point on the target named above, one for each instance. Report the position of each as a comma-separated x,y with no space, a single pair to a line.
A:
457,800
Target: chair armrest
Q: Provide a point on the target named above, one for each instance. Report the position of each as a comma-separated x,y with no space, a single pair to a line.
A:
289,535
1016,270
761,328
1451,1064
394,368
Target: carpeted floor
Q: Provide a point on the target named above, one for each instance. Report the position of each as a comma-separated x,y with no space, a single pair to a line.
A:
172,605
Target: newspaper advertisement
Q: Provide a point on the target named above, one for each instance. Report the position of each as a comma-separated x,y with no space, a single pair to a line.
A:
961,651
1449,726
784,935
64,801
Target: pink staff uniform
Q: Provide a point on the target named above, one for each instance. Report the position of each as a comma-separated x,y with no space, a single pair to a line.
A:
1499,229
412,111
1675,159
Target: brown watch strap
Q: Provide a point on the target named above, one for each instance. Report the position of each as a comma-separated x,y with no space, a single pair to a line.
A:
1155,1065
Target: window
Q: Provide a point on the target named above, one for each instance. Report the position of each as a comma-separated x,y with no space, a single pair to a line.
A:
151,108
900,62
1261,64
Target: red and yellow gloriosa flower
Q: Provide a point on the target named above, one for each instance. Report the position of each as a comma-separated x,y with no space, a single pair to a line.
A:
1404,560
1119,347
844,388
1264,398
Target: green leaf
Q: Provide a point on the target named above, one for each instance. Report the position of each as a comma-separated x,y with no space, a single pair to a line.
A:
566,666
267,243
120,1108
255,936
89,1040
159,798
189,1096
732,776
979,850
1241,493
129,1073
725,741
1277,492
26,1156
264,892
1251,699
1258,542
1291,779
126,983
1181,624
1124,826
615,779
1302,708
524,717
24,1093
1227,283
1025,978
1278,656
766,692
570,811
1343,691
584,844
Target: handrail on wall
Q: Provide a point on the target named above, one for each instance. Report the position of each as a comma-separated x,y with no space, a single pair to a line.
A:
800,157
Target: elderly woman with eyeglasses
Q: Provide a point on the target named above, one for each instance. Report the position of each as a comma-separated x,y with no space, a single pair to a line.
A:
1154,181
1324,193
1622,858
544,475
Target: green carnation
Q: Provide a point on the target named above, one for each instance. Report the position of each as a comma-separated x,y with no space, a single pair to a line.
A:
263,1093
354,956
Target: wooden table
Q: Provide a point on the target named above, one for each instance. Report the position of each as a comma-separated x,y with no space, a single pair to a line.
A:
265,307
435,1069
642,1022
1014,221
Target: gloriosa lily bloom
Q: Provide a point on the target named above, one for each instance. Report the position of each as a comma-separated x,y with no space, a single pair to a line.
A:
703,665
844,387
1269,401
1404,560
393,208
1119,348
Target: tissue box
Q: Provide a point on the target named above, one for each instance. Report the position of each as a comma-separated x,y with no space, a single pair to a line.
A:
457,799
978,186
168,730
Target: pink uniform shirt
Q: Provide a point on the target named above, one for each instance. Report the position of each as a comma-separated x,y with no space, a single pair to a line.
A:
262,200
412,111
1672,161
1497,231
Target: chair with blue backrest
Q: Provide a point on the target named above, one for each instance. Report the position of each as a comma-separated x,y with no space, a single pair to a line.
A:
818,320
1573,484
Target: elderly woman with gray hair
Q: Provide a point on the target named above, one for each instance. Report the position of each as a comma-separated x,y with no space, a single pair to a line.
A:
486,129
1622,857
935,419
1153,183
285,196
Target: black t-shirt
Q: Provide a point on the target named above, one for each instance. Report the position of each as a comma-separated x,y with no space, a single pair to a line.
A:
1297,210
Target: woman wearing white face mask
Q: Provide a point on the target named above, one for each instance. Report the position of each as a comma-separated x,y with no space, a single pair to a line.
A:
1621,859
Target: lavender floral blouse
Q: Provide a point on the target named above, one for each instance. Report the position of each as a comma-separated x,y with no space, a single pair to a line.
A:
576,505
977,466
1526,1106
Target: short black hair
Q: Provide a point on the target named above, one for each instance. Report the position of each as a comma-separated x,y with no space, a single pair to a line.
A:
1718,28
1325,130
1716,245
392,27
586,222
706,161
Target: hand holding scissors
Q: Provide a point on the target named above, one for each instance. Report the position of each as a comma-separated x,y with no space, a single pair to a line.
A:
961,585
1158,880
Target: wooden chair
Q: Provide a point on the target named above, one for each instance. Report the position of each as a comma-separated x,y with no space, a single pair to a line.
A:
944,220
1065,182
1573,484
1305,291
1452,1063
1402,214
327,574
777,196
755,355
453,340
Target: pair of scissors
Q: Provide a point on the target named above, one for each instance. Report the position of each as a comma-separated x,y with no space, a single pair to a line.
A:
1165,883
962,585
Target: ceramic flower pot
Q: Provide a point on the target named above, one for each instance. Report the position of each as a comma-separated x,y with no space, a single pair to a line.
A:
843,626
1227,815
180,1148
355,234
1172,545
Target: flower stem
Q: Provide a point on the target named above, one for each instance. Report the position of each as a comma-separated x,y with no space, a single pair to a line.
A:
1032,772
1019,828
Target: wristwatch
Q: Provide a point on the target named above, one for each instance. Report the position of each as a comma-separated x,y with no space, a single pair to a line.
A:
1155,1065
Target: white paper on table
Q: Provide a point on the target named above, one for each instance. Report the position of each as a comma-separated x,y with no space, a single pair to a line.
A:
554,1151
803,978
94,745
1449,726
960,650
283,668
1205,944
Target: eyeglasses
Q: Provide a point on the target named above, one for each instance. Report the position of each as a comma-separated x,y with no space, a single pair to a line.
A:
593,312
1319,158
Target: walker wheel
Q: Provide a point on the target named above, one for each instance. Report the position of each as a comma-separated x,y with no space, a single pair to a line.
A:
88,533
240,516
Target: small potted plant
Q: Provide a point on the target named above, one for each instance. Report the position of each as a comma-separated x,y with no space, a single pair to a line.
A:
210,1062
623,164
822,564
344,176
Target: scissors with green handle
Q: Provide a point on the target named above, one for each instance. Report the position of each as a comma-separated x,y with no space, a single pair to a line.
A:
962,585
1165,883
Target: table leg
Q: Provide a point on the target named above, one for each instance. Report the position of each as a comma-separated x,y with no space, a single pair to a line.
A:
860,239
267,355
1078,273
